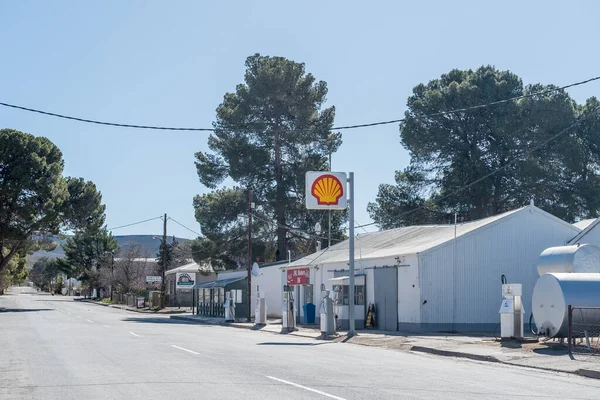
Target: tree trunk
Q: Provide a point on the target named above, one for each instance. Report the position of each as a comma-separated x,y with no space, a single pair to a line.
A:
4,260
280,202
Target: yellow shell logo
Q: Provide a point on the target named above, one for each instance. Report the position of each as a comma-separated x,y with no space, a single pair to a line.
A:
327,189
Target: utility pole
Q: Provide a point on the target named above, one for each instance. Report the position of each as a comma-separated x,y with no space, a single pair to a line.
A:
164,262
112,271
352,295
250,206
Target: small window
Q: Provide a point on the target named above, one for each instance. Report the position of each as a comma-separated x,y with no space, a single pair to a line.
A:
359,295
342,297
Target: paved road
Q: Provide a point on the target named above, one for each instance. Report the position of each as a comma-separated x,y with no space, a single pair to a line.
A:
55,348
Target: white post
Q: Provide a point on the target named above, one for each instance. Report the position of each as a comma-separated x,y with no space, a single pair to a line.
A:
454,276
351,330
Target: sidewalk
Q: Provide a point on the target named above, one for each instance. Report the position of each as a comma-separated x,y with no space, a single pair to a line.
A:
530,353
164,311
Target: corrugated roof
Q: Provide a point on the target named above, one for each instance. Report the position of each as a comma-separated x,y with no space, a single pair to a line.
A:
584,223
401,241
218,283
191,267
585,230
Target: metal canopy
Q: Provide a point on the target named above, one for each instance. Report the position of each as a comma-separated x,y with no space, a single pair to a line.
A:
218,283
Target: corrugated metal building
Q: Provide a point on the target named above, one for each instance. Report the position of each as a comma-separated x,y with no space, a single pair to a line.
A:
590,233
424,278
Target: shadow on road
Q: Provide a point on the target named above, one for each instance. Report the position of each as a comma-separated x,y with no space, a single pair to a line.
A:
288,344
158,320
2,310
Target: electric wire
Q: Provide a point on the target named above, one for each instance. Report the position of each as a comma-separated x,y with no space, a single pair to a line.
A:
183,226
337,128
134,223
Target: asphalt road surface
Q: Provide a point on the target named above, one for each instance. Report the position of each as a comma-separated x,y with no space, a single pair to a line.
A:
52,347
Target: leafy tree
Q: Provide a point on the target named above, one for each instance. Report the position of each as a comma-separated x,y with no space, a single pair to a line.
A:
44,270
35,199
267,135
176,255
87,252
15,271
225,228
450,150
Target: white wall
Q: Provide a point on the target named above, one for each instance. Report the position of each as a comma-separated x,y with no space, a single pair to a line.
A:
269,281
591,237
510,247
409,290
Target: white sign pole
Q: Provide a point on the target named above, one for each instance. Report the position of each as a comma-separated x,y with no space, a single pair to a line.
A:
351,330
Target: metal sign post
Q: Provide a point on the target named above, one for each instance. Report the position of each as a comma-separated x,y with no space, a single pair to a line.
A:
351,330
327,191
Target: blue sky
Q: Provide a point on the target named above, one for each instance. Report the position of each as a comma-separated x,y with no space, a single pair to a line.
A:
170,63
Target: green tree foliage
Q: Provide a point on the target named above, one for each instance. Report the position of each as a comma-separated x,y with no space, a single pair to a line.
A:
15,271
449,151
225,228
35,199
44,271
87,252
268,133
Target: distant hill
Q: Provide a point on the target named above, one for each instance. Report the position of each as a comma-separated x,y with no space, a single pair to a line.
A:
149,245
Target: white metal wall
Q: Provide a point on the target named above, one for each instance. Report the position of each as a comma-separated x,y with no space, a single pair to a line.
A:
409,291
269,282
592,237
510,247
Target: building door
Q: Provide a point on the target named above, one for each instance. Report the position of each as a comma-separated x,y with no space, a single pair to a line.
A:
386,298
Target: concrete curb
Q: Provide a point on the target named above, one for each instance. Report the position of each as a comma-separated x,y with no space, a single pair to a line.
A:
132,310
458,354
588,373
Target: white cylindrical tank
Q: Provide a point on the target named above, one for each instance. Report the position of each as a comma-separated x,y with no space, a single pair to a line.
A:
583,258
552,295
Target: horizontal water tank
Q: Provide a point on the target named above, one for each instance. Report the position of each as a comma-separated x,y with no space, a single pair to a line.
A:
552,295
574,258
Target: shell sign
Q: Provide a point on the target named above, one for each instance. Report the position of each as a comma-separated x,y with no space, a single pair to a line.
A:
326,190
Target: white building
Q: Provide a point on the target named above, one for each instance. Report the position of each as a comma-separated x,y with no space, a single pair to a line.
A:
183,297
590,233
436,277
268,282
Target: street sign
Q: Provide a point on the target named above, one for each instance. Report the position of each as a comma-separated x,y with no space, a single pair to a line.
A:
326,190
153,279
184,280
298,276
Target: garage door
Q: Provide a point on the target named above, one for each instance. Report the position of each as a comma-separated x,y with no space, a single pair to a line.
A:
386,298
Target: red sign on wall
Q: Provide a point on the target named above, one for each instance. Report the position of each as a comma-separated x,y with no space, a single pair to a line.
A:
298,276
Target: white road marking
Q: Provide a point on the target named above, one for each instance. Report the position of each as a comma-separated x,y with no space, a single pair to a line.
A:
68,313
134,334
106,326
91,322
78,316
181,348
306,388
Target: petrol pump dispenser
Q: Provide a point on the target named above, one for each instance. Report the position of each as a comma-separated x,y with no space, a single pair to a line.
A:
288,318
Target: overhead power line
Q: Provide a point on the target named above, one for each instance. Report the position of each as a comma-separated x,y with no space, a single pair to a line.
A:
338,128
134,223
183,226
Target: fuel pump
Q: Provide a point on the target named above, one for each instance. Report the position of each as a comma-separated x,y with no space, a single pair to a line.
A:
288,318
327,321
229,308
